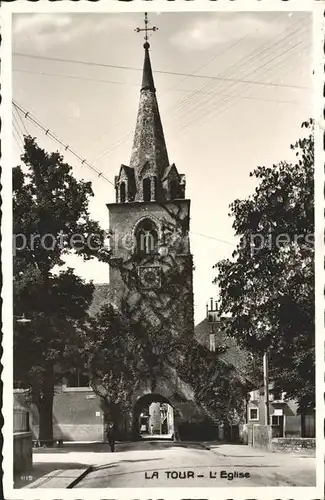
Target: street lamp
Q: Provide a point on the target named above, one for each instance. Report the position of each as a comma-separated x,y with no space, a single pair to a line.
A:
22,319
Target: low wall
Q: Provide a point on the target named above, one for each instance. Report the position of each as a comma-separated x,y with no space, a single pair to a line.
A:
23,458
294,445
256,435
75,432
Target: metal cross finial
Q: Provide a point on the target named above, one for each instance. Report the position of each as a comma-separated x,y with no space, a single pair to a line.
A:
146,29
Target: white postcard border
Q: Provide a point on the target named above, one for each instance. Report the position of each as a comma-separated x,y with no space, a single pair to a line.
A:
44,6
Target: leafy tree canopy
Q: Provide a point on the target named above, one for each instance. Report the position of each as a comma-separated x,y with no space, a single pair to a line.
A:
217,386
268,286
50,219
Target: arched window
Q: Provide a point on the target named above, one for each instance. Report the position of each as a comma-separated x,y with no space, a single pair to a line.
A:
122,192
147,237
174,190
155,188
146,189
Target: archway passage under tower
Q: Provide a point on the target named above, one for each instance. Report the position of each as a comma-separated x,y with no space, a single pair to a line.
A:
153,418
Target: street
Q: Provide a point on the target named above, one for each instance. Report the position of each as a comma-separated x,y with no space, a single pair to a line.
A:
161,464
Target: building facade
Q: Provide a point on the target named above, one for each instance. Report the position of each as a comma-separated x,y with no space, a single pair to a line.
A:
284,417
151,263
150,273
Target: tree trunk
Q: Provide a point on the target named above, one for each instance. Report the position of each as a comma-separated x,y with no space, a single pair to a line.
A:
45,409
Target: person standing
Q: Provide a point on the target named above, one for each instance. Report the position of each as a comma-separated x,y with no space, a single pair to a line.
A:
111,435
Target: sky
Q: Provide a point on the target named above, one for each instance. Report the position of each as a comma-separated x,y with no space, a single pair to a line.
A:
242,88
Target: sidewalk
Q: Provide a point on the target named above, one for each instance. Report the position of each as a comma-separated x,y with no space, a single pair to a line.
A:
63,467
245,451
234,449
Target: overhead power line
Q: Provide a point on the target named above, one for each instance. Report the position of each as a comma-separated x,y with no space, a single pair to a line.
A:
75,77
188,75
17,136
248,65
191,114
17,132
198,99
50,134
21,121
174,87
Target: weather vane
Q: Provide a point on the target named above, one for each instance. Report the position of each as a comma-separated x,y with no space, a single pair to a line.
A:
146,29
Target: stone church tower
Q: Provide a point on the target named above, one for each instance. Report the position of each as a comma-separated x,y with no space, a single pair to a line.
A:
151,268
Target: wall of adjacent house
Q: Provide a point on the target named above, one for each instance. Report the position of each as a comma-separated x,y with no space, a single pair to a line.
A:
288,408
77,414
23,459
154,418
292,425
170,419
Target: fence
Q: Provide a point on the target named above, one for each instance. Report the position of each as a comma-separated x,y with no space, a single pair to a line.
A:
21,420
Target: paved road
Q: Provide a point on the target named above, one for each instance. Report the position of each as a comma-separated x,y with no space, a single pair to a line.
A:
161,464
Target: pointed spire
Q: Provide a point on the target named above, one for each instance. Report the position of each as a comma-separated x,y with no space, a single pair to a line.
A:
147,77
149,153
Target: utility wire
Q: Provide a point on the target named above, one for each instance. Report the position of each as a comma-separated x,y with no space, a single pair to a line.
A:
17,128
124,138
222,106
23,124
189,121
16,136
187,101
230,72
47,131
244,64
50,134
174,87
188,75
228,104
121,141
231,103
195,102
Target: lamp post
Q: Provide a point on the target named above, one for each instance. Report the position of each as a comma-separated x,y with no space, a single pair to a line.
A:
22,319
266,387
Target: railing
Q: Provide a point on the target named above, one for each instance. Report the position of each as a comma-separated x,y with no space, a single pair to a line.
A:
21,420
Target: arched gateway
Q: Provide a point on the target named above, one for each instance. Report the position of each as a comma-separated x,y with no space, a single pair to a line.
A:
153,415
156,283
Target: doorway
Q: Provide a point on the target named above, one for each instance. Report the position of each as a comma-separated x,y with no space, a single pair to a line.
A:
277,425
153,418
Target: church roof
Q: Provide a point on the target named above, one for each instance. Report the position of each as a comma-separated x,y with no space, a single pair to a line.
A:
147,77
129,172
149,141
168,171
233,355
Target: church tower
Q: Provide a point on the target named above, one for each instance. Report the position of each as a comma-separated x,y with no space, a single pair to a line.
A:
151,265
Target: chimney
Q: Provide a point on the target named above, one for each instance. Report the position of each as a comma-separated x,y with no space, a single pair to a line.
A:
211,304
216,303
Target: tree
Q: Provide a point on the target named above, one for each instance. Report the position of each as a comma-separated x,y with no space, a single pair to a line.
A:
217,386
268,286
116,357
50,220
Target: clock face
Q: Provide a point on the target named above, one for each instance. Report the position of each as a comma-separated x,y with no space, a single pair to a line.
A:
150,277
